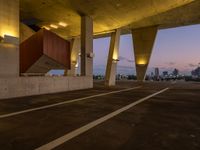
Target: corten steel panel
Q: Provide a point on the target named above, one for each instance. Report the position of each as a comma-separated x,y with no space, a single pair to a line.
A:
56,48
30,51
44,43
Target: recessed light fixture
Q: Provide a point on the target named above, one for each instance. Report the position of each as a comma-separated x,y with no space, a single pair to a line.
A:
115,60
62,24
53,26
45,27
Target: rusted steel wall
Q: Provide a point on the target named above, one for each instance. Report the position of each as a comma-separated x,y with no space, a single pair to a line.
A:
56,48
44,43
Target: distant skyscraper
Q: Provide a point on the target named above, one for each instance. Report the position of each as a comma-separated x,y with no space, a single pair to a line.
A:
157,73
175,72
151,74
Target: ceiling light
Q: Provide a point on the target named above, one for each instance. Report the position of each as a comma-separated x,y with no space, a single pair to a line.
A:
54,26
62,24
45,27
141,62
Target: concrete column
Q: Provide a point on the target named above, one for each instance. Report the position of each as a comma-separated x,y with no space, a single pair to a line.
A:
111,67
75,50
86,46
9,38
143,40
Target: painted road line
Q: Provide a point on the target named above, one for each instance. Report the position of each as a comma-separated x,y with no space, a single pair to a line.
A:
64,102
70,135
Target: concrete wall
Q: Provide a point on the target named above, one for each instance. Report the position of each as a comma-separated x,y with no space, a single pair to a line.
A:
9,17
27,86
9,47
9,60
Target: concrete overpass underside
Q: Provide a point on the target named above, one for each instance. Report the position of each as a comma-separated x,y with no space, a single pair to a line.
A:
109,15
79,21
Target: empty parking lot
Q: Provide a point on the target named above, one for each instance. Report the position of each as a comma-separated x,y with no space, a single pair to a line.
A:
131,115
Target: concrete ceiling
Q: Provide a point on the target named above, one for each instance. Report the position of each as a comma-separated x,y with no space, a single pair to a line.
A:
109,14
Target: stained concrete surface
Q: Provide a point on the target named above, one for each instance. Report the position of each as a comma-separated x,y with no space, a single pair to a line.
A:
168,121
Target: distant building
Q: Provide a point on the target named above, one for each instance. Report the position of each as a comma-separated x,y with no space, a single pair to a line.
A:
196,72
152,74
165,73
175,72
157,73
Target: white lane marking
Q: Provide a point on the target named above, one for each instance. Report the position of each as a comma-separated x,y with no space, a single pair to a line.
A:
72,134
64,102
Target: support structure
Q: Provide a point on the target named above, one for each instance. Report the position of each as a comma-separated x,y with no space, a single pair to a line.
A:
75,50
111,67
9,38
86,46
143,41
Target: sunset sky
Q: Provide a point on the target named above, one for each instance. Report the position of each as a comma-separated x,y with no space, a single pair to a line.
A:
174,48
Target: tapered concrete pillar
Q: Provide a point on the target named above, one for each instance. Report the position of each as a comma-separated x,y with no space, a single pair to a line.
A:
86,46
143,41
75,50
111,67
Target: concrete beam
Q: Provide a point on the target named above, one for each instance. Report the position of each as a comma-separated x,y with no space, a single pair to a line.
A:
143,41
86,46
111,67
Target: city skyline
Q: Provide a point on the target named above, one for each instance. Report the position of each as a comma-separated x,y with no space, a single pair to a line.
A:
173,48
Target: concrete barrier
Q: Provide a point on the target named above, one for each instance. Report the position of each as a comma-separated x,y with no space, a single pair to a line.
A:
26,86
